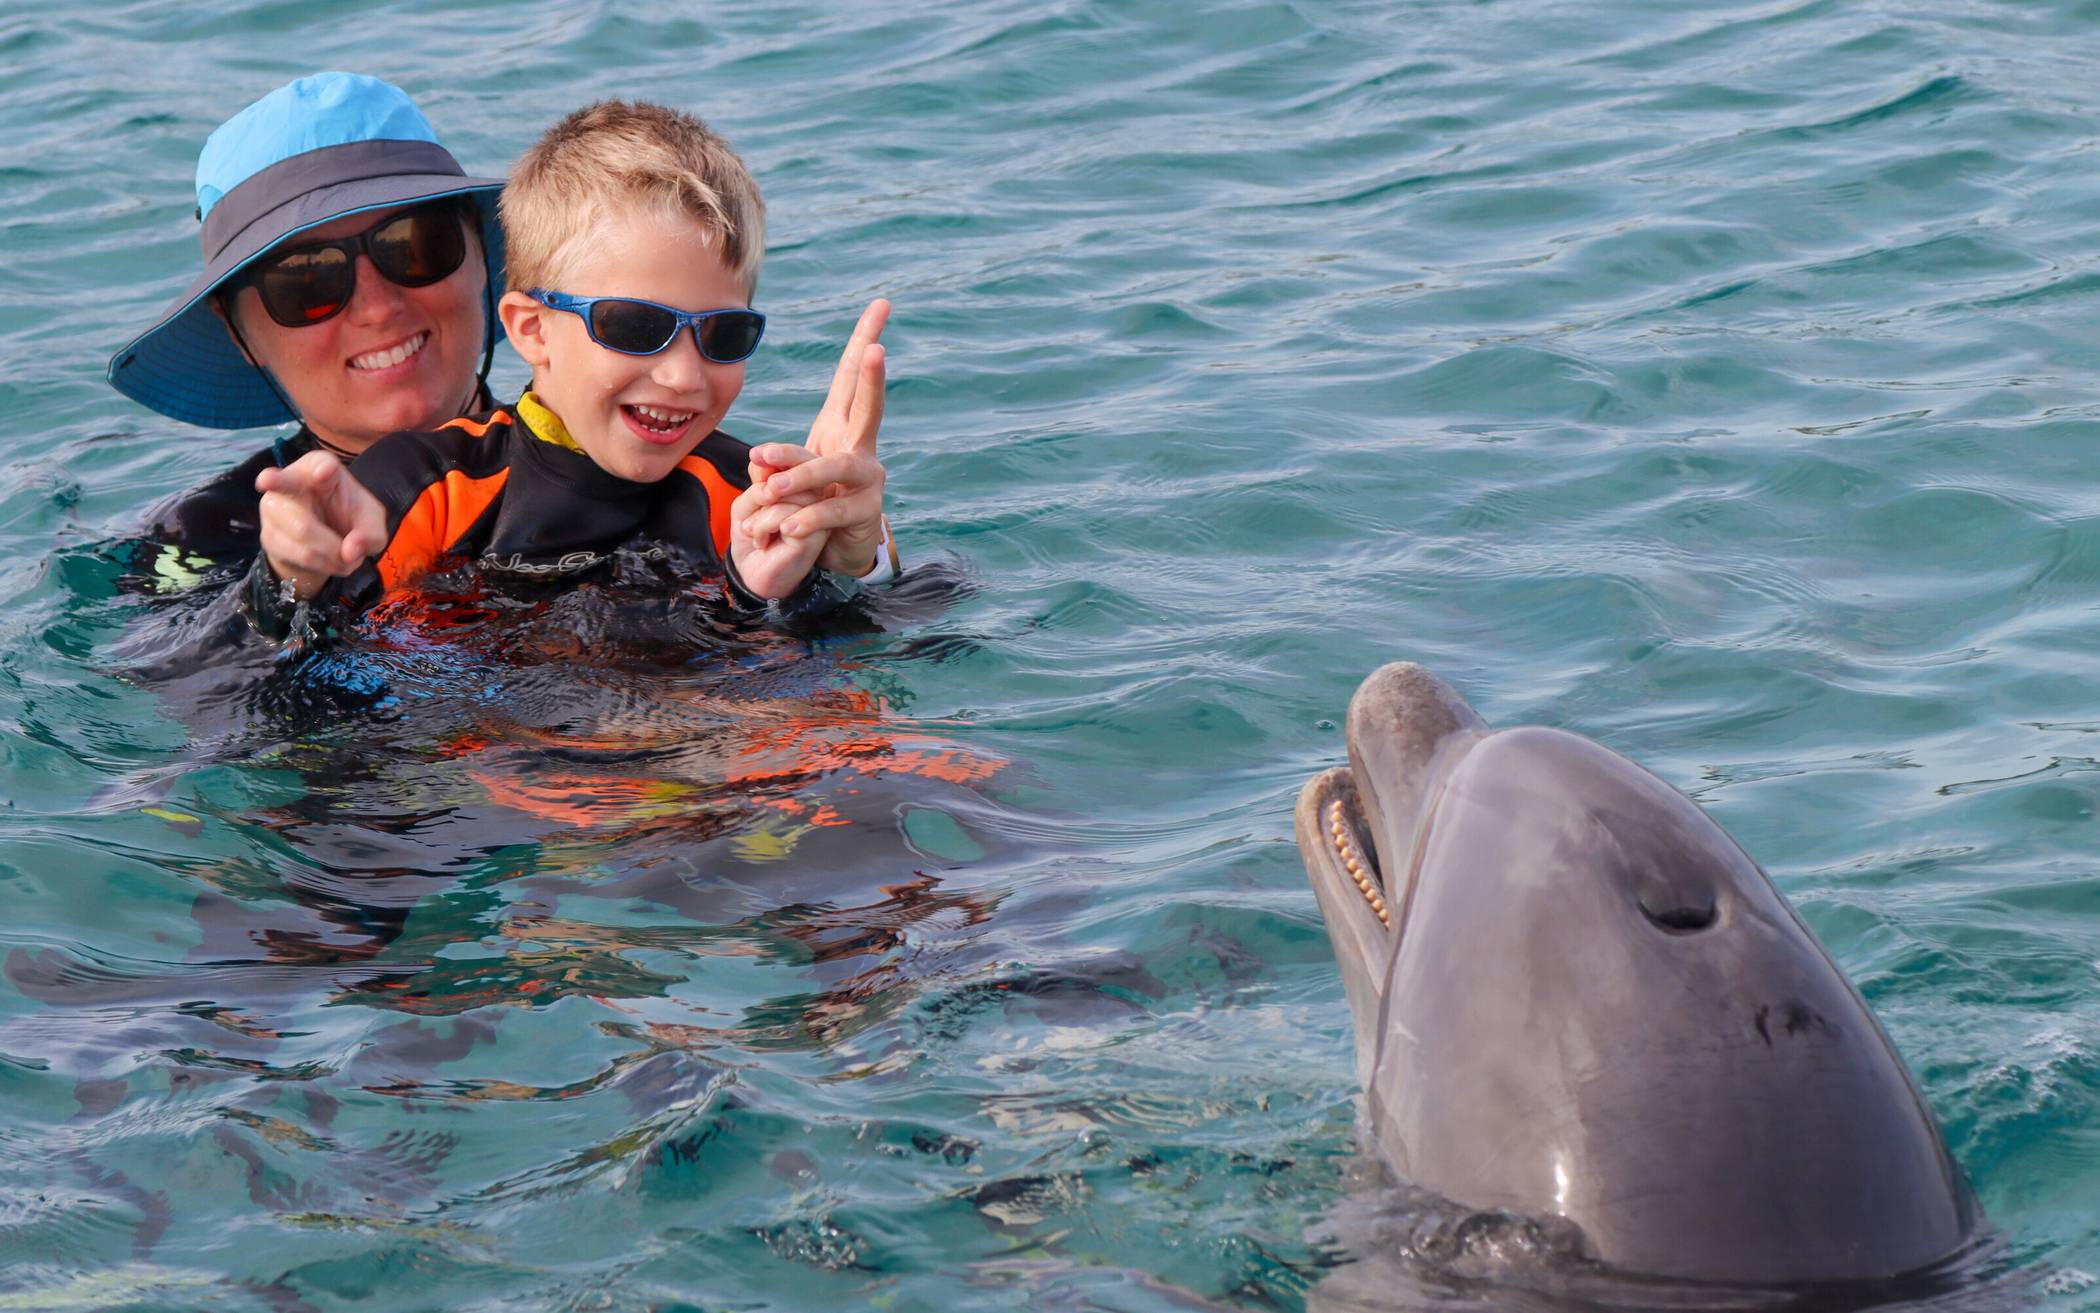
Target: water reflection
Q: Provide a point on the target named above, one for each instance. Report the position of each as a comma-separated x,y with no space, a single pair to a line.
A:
691,838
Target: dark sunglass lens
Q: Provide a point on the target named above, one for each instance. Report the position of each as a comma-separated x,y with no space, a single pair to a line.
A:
635,327
730,337
421,247
306,287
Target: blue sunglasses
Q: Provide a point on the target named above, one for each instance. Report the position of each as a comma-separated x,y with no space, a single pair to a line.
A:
643,328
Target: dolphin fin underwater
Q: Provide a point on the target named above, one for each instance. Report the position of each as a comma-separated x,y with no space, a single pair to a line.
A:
1575,998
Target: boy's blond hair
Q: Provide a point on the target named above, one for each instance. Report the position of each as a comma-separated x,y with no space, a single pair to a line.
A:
617,154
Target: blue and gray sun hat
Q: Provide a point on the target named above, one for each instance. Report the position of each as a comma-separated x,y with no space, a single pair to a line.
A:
308,153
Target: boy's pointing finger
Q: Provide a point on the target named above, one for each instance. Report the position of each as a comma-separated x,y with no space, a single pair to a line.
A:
865,419
849,378
871,323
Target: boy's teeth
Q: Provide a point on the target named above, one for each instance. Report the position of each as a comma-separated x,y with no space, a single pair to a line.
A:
662,419
393,356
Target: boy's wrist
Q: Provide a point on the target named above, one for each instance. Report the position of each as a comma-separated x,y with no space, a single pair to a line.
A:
261,601
886,566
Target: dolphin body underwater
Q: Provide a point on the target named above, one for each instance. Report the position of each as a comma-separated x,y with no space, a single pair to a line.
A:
1577,1000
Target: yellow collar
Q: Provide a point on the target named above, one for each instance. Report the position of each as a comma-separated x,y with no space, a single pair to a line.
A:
544,424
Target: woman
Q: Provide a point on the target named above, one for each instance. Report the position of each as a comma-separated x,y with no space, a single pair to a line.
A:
328,156
351,269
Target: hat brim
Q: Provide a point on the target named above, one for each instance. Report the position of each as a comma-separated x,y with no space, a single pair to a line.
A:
186,365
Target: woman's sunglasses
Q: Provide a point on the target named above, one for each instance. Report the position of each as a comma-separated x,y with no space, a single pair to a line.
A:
308,284
643,328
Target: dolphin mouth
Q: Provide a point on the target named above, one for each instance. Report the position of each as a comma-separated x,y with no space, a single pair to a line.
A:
1361,826
1362,917
1335,833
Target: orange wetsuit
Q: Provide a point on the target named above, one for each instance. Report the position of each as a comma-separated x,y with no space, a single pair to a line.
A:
511,493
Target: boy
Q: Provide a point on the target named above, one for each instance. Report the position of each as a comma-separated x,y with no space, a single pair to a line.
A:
634,236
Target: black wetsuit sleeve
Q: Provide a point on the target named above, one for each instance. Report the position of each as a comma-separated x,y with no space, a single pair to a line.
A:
218,518
273,613
207,532
262,601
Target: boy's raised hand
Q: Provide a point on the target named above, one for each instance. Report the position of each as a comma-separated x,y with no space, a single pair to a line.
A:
835,479
318,523
772,562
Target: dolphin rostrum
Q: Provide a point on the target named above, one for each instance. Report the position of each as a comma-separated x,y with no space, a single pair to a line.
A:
1575,997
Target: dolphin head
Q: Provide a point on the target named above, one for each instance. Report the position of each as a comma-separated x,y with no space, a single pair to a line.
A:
1575,996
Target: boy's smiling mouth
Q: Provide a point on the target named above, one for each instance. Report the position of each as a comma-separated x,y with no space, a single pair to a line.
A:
657,424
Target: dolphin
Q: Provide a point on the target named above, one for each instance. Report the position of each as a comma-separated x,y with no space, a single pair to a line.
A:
1577,1000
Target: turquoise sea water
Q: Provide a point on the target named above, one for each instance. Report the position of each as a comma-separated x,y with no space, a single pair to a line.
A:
1715,380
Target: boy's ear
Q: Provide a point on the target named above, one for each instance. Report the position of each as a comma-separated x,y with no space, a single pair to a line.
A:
525,323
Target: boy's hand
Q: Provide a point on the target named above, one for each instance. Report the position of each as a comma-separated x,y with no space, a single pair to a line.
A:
835,478
773,563
318,523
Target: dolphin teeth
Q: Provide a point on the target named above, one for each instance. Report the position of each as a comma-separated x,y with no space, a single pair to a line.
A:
1347,853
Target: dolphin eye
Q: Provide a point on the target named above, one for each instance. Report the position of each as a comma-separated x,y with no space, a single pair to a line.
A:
1681,920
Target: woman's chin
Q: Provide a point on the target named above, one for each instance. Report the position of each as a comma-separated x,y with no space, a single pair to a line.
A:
419,415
